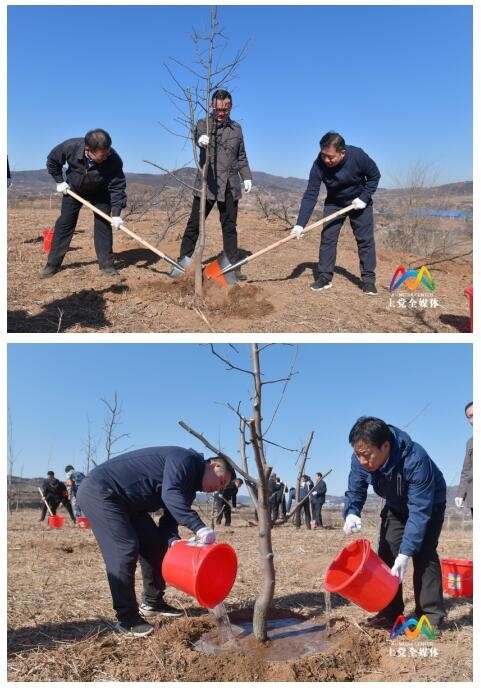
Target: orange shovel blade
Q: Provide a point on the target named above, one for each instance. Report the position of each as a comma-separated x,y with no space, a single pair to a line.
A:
213,271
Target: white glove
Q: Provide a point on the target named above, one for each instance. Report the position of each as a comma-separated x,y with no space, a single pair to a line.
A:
116,222
359,203
352,524
203,140
400,566
62,187
205,535
297,231
247,186
458,501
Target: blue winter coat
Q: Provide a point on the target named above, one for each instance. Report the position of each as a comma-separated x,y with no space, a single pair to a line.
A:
148,479
409,481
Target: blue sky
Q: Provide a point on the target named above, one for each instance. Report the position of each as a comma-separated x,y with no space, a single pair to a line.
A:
52,389
395,80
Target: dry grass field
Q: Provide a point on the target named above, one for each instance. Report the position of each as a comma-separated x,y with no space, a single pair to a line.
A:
59,614
275,299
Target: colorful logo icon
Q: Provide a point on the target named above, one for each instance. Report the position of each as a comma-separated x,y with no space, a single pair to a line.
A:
411,278
412,628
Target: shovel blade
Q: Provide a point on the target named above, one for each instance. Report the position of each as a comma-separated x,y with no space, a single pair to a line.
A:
215,271
185,262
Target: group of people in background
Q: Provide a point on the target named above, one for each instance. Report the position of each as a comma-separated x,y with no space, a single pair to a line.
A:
56,493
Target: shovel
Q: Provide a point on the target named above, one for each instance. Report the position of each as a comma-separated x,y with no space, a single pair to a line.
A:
221,270
44,500
126,230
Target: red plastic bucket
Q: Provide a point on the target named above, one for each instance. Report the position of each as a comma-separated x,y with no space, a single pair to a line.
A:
205,572
55,520
469,294
83,523
47,239
457,577
358,574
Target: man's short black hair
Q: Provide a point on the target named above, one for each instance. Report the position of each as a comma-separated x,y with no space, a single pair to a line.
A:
68,468
370,430
470,404
333,139
50,473
221,95
98,139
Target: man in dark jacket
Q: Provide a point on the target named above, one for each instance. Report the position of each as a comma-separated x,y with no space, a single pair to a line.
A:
224,147
414,490
465,488
304,488
117,497
55,493
222,503
350,177
95,172
318,498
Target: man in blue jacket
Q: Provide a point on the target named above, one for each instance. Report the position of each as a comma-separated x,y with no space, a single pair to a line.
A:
350,177
117,497
414,490
94,172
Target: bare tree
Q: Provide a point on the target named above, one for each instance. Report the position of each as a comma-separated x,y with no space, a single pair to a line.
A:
111,424
90,448
253,433
208,74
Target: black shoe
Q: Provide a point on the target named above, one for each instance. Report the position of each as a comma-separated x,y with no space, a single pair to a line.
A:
379,622
49,270
109,270
161,609
321,284
369,288
135,627
239,275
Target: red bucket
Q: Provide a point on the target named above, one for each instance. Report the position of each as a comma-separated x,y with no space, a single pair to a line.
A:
47,239
469,294
55,520
205,572
358,574
83,523
457,577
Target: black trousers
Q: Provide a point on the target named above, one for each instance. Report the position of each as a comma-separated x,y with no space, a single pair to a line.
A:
53,504
222,509
125,538
427,580
65,227
362,223
305,508
317,512
228,220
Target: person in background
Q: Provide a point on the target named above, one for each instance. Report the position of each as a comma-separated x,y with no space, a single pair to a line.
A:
95,172
305,486
400,471
350,177
291,498
55,493
73,479
318,498
465,488
117,498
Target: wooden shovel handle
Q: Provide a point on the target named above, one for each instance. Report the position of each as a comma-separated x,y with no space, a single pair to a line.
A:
125,229
44,500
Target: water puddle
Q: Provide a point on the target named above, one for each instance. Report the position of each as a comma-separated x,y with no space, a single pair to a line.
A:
224,627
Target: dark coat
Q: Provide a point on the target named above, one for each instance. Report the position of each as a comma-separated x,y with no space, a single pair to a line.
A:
227,159
409,481
465,489
98,180
54,490
319,493
357,176
148,479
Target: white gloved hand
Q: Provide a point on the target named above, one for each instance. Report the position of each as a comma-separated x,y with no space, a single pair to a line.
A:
359,203
247,186
203,140
400,566
116,222
352,524
458,502
297,231
205,535
62,187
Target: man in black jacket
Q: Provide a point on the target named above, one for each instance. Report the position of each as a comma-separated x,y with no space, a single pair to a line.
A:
318,498
55,493
350,177
95,172
117,497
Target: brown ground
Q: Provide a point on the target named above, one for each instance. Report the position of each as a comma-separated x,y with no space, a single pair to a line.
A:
276,298
59,611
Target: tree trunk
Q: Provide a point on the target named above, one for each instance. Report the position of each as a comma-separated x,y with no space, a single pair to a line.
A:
199,247
263,601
